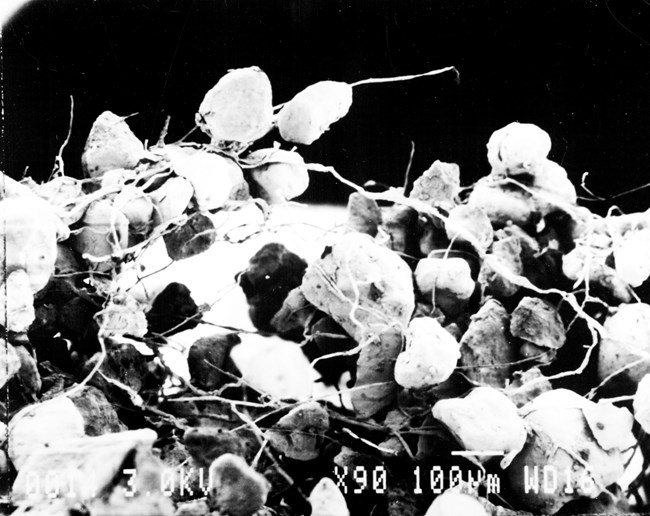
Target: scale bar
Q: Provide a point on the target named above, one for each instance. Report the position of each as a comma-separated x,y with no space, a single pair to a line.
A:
465,453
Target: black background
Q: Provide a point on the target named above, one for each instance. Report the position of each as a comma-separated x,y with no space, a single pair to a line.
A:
578,69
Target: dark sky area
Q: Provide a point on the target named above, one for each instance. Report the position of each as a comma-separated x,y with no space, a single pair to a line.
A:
579,69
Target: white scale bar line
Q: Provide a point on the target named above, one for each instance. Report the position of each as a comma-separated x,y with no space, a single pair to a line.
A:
472,453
